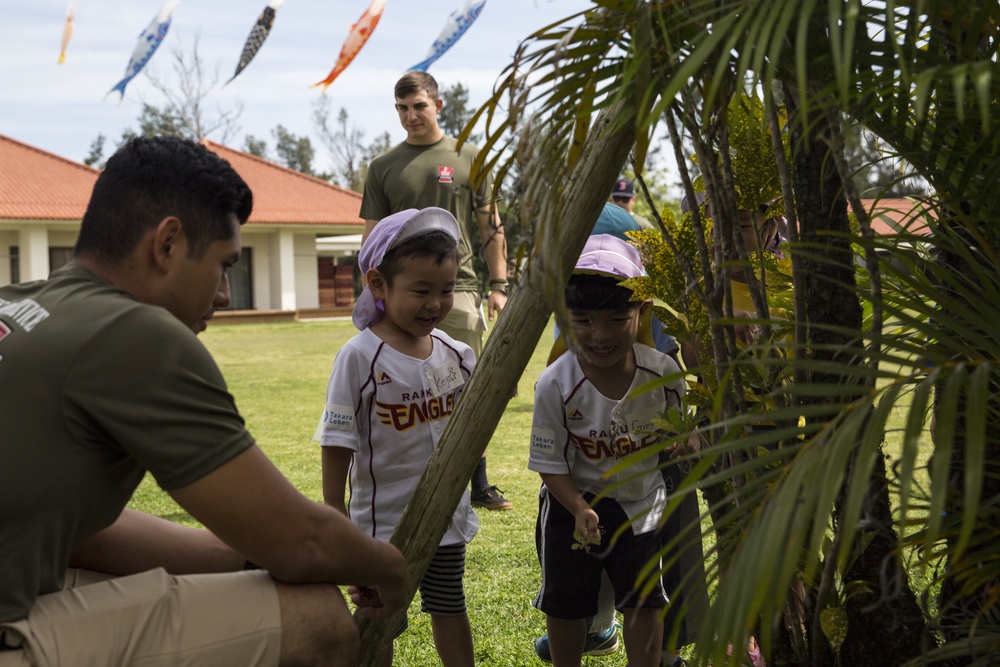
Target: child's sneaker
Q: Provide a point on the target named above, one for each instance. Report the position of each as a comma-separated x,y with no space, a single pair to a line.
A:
596,644
491,498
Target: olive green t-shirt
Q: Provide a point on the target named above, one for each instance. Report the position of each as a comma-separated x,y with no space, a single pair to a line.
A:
95,390
409,176
642,222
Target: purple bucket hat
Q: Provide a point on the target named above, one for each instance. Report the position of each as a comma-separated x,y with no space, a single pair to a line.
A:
608,255
387,234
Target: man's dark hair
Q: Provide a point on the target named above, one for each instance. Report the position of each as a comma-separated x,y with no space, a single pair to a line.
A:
149,179
436,244
414,82
587,291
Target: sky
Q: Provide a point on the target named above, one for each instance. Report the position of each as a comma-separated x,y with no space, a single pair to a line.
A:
62,108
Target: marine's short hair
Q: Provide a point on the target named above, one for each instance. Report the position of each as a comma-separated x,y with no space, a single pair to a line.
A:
414,82
152,178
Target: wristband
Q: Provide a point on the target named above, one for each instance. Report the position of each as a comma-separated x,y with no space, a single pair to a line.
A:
499,286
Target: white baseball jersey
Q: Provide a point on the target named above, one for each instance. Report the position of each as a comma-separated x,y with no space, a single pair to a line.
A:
578,431
390,410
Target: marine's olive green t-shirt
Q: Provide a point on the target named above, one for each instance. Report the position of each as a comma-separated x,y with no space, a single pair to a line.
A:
95,389
409,176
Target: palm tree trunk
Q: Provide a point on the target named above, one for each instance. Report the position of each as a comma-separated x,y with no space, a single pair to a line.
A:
884,626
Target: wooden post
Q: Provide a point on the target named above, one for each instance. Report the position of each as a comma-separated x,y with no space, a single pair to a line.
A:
497,372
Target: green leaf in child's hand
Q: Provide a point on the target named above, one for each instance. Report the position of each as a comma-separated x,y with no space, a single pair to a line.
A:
584,543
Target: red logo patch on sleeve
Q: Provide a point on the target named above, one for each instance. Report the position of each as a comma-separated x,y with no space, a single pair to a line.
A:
445,174
4,330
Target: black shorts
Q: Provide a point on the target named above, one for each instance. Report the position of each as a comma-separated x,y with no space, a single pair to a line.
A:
571,578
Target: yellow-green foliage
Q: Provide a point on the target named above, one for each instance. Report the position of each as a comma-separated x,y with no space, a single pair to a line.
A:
666,282
677,303
755,171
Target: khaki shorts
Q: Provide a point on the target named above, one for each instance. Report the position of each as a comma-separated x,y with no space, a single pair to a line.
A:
465,322
151,619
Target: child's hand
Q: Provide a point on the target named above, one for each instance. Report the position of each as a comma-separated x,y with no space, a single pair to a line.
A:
587,530
366,598
679,449
376,602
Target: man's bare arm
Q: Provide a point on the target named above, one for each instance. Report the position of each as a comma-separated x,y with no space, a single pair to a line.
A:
250,505
495,252
137,542
252,512
369,226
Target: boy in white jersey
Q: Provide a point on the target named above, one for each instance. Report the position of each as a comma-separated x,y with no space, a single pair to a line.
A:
391,392
585,421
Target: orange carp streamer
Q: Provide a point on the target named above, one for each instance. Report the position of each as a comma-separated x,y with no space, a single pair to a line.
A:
356,38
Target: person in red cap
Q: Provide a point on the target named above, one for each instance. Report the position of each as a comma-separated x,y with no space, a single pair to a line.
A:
623,196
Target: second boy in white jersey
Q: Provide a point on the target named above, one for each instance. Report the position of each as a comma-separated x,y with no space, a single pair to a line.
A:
589,416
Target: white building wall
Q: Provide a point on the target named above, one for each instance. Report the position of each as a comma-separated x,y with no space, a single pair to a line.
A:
306,271
281,270
33,242
285,273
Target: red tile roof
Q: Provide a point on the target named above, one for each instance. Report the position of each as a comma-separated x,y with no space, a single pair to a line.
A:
904,213
286,196
37,185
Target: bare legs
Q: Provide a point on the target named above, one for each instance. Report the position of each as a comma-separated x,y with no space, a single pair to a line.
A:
566,638
317,628
643,633
453,640
642,630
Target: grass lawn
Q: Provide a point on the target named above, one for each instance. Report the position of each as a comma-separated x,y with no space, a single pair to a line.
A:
278,374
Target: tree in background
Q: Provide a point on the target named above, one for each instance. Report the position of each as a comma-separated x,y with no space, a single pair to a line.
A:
95,156
346,144
294,152
291,151
455,112
255,146
183,112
